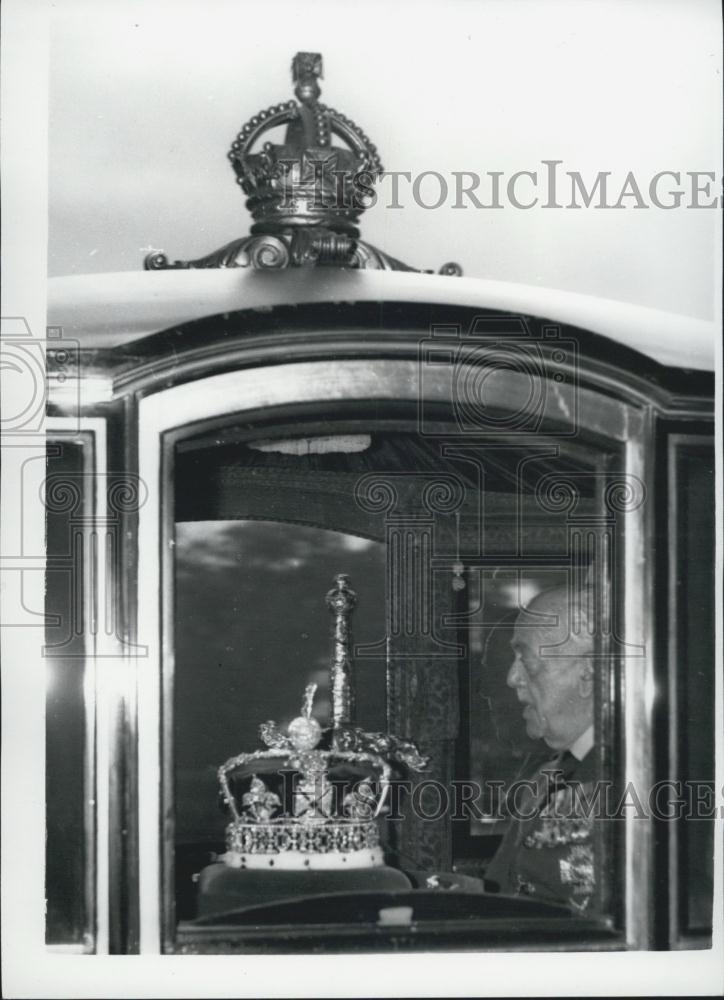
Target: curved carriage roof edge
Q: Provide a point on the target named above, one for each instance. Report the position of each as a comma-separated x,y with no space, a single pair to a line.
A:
104,311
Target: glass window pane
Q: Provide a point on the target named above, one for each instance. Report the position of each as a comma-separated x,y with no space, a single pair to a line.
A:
68,860
443,540
694,661
252,630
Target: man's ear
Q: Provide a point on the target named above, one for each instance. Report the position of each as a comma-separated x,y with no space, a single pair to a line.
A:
585,679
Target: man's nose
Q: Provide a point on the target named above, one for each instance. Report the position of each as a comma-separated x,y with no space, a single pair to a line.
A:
516,676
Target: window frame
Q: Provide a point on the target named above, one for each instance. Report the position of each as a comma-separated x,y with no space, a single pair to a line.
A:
674,440
89,433
185,409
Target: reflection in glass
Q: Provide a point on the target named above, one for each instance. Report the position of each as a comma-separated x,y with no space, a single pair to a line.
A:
499,746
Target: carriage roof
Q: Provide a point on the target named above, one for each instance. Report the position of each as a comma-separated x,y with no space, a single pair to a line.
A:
104,311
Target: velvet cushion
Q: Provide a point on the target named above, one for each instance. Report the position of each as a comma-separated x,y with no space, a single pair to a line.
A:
222,888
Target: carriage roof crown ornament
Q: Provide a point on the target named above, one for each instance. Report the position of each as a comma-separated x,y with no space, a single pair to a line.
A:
305,194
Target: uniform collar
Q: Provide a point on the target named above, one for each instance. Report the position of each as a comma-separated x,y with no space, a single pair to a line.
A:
580,747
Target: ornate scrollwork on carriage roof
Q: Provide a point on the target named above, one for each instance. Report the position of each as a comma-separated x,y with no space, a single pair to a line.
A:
306,195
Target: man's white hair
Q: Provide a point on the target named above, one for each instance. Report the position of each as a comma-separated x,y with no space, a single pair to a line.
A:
580,604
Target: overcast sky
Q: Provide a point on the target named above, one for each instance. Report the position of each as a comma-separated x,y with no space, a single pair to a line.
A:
145,100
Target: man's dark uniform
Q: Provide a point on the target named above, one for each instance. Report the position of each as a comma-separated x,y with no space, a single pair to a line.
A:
551,854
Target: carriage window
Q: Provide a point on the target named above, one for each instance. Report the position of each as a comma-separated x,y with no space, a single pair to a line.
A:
692,658
446,545
69,869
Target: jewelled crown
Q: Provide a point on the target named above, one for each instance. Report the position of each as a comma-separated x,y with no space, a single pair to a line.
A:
305,194
323,829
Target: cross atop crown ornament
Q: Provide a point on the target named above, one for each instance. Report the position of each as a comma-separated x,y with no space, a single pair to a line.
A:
305,194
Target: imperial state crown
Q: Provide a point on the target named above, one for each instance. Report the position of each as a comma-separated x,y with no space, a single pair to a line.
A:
330,829
306,193
317,834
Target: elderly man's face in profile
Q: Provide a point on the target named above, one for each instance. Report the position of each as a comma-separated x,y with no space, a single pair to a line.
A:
554,685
